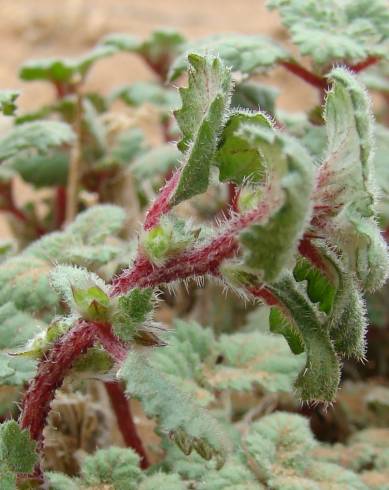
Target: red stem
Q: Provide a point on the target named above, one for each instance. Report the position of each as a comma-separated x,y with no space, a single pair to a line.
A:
306,75
197,261
161,205
60,206
362,65
51,373
125,421
308,250
264,294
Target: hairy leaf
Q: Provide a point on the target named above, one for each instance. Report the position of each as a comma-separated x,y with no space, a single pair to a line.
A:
84,292
7,101
63,69
17,450
237,158
243,53
36,136
253,96
346,182
201,118
42,170
270,247
350,30
132,310
115,466
320,378
140,93
179,416
159,50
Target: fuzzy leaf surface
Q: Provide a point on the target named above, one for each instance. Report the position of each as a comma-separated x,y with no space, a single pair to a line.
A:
270,247
347,181
243,53
201,118
36,136
350,30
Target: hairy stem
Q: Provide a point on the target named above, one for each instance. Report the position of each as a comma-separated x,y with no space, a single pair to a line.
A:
197,261
51,373
161,205
121,407
75,164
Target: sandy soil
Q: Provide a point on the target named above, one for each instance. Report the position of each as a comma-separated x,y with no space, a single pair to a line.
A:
42,28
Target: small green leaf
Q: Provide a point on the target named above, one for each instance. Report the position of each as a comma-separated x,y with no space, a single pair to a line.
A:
64,70
237,159
92,303
86,294
167,239
155,163
319,288
280,324
255,97
115,466
17,450
204,105
244,53
140,93
159,49
7,101
132,310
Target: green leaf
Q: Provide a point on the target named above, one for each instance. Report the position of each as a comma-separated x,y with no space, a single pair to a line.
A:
42,170
140,93
319,288
244,53
64,70
24,282
7,101
37,137
155,163
204,105
330,32
279,444
115,466
97,223
238,160
347,184
254,97
59,481
92,303
128,146
17,450
161,481
320,378
251,359
280,324
132,310
272,246
17,329
86,293
167,239
178,415
159,50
